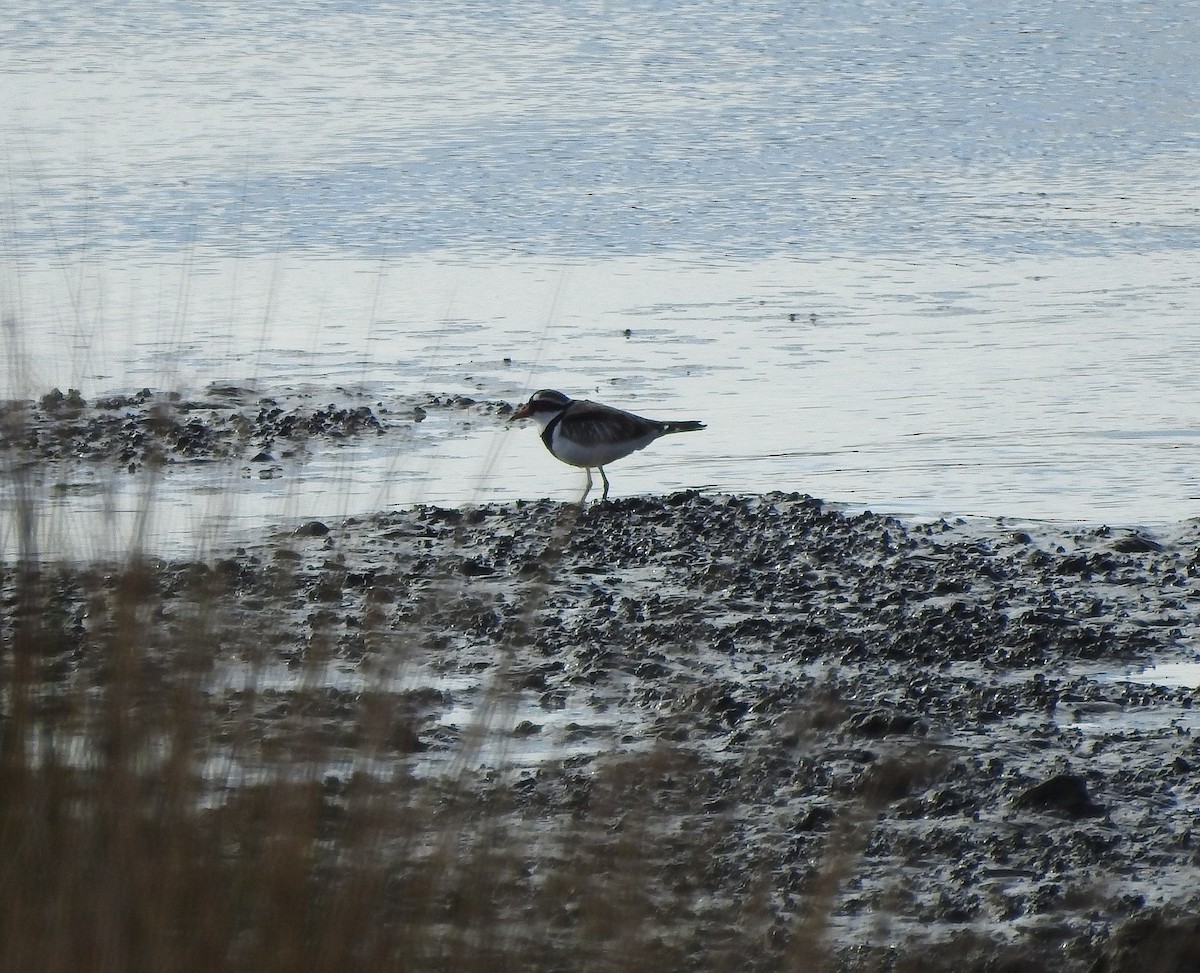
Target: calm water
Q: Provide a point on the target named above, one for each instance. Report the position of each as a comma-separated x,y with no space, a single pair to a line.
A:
921,258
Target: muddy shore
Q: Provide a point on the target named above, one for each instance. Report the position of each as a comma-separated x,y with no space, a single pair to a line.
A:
944,700
931,737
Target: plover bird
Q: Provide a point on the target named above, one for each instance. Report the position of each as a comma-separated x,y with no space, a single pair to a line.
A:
591,435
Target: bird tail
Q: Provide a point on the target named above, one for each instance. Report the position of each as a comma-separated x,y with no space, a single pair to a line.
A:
687,425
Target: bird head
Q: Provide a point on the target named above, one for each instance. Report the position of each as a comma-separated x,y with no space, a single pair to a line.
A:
543,405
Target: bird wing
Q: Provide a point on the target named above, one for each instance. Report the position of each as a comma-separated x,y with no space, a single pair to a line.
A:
593,424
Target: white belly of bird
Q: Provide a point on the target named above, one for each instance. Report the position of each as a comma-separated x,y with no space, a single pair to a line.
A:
597,454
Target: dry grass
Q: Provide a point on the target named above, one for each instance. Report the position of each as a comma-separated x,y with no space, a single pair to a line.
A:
147,823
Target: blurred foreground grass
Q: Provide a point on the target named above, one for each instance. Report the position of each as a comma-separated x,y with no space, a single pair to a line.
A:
150,823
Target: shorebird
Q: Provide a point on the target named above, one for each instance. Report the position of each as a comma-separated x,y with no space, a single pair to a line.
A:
591,435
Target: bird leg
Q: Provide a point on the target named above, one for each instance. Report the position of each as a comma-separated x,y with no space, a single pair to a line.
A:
588,489
603,496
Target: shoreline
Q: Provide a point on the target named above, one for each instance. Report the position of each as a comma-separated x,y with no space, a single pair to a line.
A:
307,445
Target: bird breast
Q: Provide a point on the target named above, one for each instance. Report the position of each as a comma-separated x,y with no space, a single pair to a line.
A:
596,451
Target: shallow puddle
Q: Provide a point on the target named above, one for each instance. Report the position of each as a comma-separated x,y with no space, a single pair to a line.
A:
1184,674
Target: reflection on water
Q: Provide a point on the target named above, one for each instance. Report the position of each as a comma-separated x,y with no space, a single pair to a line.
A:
603,127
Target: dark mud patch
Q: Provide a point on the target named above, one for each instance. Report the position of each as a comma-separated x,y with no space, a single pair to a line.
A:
911,742
224,422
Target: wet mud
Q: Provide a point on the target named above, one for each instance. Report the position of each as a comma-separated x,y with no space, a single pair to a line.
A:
928,738
223,422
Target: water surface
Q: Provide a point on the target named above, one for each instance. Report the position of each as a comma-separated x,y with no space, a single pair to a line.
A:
927,260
